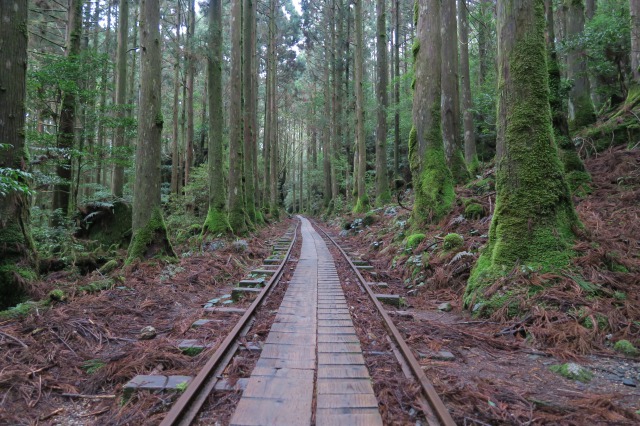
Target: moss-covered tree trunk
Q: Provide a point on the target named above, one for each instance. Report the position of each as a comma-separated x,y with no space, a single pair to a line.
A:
190,71
581,110
470,154
217,220
432,179
67,128
362,201
176,174
17,256
237,212
149,231
534,217
273,144
383,195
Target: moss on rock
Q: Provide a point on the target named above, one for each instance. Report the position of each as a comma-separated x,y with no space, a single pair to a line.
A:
474,211
626,347
414,240
572,371
151,240
453,241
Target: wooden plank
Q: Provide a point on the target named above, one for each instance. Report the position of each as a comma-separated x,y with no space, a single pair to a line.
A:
371,418
261,411
344,386
340,359
343,371
339,348
289,352
356,400
336,330
335,322
273,387
346,338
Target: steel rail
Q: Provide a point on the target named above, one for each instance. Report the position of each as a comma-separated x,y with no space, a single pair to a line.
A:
432,396
187,407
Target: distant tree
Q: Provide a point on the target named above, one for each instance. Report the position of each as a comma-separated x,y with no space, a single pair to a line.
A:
470,154
217,220
450,100
149,231
432,179
17,255
634,8
383,195
534,216
117,183
362,200
67,128
249,10
237,212
581,110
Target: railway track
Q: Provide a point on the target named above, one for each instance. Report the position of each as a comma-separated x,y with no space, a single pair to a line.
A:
311,368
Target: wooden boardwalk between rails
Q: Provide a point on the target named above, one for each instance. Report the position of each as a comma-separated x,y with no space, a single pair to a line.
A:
312,352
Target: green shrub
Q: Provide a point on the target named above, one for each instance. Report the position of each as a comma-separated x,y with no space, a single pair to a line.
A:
626,347
414,240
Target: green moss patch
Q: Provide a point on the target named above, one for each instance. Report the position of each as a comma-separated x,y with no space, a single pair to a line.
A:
151,240
572,371
453,241
474,211
414,240
626,347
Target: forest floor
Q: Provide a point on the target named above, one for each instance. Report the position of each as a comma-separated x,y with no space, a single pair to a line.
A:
497,369
489,370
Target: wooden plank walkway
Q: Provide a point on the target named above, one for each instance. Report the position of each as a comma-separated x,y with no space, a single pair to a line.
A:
312,347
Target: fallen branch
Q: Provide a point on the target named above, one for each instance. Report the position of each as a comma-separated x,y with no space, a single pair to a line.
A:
51,414
15,339
79,395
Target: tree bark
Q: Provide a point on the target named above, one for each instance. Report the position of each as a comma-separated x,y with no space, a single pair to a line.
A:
634,7
17,254
396,138
432,179
534,216
362,202
450,99
470,154
67,127
581,110
190,58
117,183
237,212
149,231
383,195
217,220
249,110
273,145
326,135
175,146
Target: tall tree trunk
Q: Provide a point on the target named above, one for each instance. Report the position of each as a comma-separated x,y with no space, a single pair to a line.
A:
175,146
149,231
117,184
450,99
237,212
326,135
396,91
273,145
432,179
17,254
634,7
581,111
362,202
191,69
336,100
470,155
266,135
383,195
101,169
533,218
67,128
249,110
217,220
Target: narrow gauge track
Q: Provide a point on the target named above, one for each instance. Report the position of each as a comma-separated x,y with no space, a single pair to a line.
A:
436,406
313,371
187,407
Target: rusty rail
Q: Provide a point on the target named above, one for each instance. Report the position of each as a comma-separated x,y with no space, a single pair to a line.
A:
433,398
187,407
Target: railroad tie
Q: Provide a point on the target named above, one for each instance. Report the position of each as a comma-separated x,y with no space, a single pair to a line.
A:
312,333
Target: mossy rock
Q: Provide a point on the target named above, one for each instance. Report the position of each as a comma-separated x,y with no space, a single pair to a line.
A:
57,295
474,211
109,267
113,227
626,347
572,371
453,241
414,240
368,220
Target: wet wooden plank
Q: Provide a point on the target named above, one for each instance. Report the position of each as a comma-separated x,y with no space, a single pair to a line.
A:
356,400
344,386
